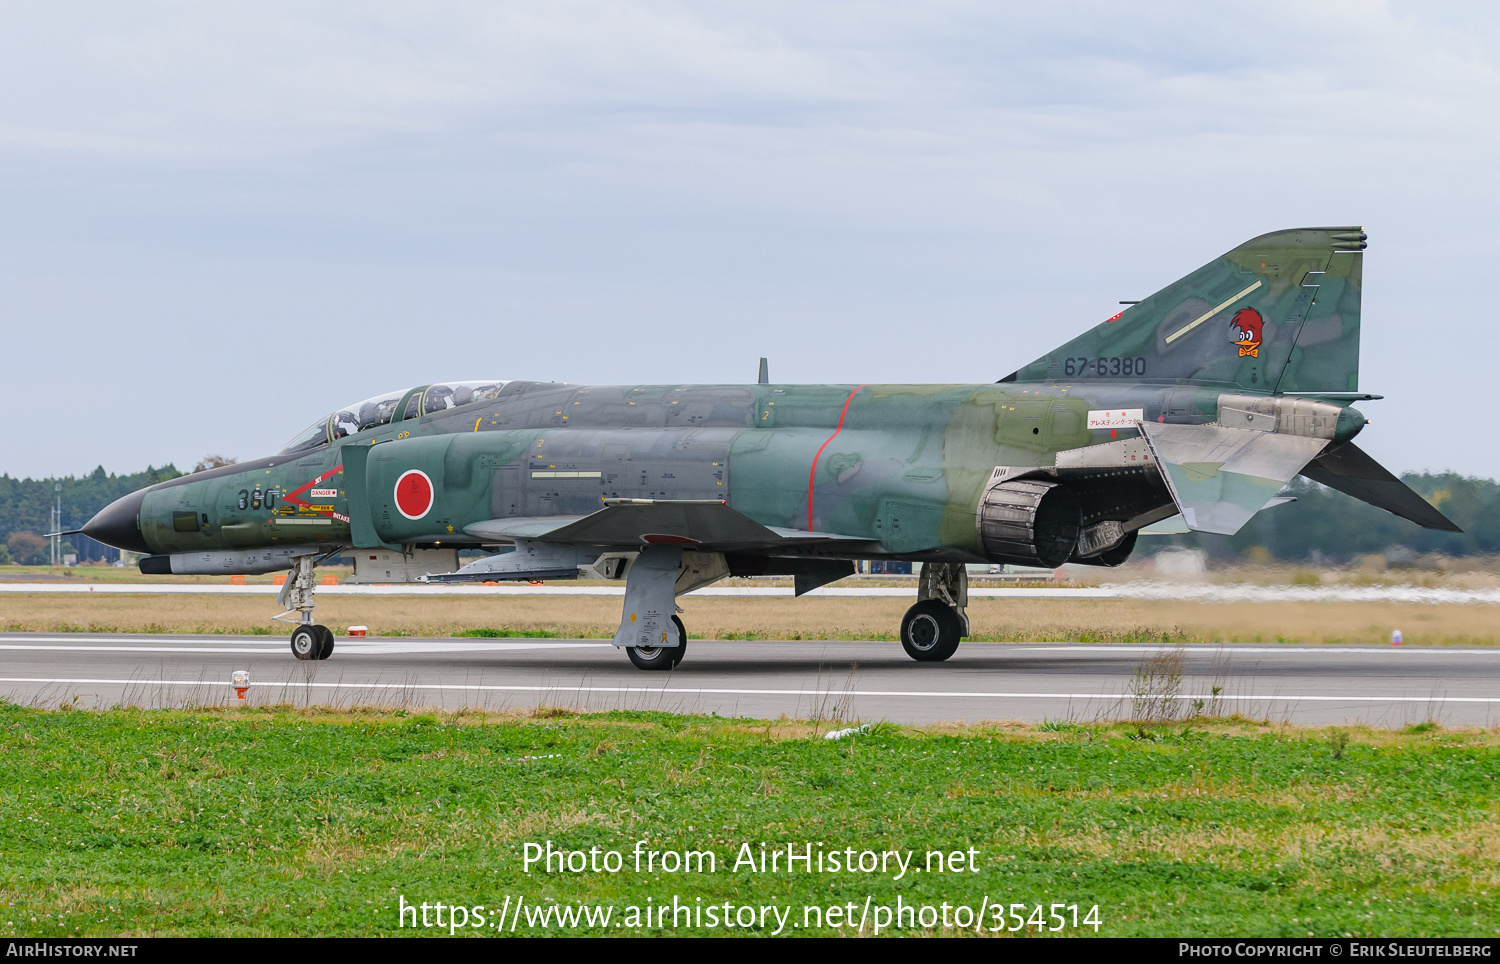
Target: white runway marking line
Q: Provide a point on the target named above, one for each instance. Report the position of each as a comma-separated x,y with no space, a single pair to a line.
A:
1230,649
439,589
146,649
132,640
718,691
343,645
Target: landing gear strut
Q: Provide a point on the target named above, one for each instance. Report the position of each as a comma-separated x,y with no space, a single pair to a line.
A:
309,640
650,633
931,630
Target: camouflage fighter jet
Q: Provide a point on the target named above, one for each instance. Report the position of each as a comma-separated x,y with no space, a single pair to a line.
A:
1201,401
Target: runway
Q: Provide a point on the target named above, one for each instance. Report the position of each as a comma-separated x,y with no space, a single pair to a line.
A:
827,680
1183,592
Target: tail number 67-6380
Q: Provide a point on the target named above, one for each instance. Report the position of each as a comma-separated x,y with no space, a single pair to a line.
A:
1104,367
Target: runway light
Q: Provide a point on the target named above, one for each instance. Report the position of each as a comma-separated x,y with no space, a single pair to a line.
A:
1395,637
240,681
358,630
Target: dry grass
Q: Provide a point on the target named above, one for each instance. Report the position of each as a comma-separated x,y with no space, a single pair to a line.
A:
1476,572
1114,620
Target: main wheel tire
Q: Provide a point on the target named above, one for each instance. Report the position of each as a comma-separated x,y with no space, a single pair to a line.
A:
307,642
660,657
681,649
326,635
930,631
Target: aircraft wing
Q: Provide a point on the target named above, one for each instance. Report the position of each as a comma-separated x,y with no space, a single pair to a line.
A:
1351,471
1220,477
708,525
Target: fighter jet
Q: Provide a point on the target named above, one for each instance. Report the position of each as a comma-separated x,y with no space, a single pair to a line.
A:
1199,402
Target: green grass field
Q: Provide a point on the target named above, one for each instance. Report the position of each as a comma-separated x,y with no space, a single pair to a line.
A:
301,822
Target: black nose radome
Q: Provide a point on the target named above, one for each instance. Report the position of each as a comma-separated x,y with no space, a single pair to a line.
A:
119,524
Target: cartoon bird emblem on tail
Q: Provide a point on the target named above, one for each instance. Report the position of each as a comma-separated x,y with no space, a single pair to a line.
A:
1245,331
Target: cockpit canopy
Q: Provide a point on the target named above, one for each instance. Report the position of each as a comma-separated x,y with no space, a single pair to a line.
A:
383,409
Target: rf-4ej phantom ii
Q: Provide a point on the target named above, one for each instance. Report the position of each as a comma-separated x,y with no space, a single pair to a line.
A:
1201,401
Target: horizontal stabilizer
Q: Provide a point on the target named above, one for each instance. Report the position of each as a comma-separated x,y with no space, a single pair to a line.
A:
1351,471
1220,477
708,525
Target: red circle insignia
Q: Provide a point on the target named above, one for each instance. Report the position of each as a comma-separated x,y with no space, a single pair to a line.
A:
414,494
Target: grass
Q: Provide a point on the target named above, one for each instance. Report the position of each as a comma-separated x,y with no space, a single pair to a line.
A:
710,617
274,821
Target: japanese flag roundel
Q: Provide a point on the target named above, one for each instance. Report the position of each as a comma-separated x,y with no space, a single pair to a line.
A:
414,494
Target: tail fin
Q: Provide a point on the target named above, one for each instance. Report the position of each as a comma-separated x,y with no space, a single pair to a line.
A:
1277,314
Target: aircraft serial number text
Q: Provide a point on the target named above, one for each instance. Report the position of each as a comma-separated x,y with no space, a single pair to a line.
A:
255,499
1104,367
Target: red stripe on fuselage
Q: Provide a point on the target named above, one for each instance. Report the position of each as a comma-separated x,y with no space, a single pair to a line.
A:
813,472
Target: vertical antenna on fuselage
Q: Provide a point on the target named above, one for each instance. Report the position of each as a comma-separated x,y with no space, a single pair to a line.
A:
765,378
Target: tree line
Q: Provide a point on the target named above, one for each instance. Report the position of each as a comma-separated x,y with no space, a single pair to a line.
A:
26,511
1327,525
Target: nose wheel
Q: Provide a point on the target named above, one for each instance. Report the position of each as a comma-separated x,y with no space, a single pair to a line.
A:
311,641
660,657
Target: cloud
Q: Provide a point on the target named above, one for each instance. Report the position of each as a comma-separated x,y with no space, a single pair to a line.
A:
864,191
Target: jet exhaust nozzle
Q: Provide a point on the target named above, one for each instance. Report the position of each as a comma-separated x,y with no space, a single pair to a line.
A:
1029,523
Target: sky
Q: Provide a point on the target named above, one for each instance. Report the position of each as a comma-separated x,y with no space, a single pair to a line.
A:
219,222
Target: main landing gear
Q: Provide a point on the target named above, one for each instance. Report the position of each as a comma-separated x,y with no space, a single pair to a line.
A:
931,630
650,632
309,640
660,657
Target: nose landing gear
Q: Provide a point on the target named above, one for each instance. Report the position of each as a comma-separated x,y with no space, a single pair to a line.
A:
309,640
